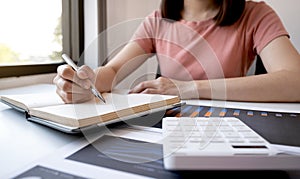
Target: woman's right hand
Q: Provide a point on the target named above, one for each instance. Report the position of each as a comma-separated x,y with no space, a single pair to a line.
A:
72,86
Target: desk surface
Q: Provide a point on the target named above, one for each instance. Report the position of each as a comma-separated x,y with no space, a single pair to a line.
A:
24,142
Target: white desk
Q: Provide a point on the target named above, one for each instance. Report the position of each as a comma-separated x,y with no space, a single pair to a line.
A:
24,142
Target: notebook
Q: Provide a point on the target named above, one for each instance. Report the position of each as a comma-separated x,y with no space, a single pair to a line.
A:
49,109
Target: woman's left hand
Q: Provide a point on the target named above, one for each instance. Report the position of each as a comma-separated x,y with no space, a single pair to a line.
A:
166,86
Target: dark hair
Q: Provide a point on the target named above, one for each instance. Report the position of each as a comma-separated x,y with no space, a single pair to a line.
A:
230,10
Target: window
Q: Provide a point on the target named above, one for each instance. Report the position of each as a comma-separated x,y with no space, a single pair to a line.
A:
31,31
35,33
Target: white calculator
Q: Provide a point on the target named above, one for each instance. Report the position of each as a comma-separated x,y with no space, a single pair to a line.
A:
193,143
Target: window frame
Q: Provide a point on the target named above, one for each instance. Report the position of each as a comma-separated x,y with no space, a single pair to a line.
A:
73,42
102,26
95,24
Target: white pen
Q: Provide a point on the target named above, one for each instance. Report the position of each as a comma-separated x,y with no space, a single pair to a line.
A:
70,62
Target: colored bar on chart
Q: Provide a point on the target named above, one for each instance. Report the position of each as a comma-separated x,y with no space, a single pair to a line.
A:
236,112
209,112
264,114
250,113
223,113
196,113
185,110
171,111
178,115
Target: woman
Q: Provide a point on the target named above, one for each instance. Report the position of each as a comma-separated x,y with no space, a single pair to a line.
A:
204,49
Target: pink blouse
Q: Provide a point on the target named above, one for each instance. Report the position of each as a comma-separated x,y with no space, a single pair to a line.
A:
192,50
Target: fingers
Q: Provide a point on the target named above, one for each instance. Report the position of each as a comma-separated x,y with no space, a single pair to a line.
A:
150,91
68,86
160,85
73,87
69,97
82,78
70,92
145,86
85,72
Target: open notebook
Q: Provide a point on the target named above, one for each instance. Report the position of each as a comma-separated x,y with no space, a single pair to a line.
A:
49,109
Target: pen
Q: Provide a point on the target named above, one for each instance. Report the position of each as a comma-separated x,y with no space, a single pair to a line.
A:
75,67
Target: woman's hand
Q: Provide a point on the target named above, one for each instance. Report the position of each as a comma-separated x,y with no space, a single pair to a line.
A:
74,87
166,86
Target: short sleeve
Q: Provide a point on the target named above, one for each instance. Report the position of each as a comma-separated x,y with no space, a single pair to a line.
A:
267,26
145,33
